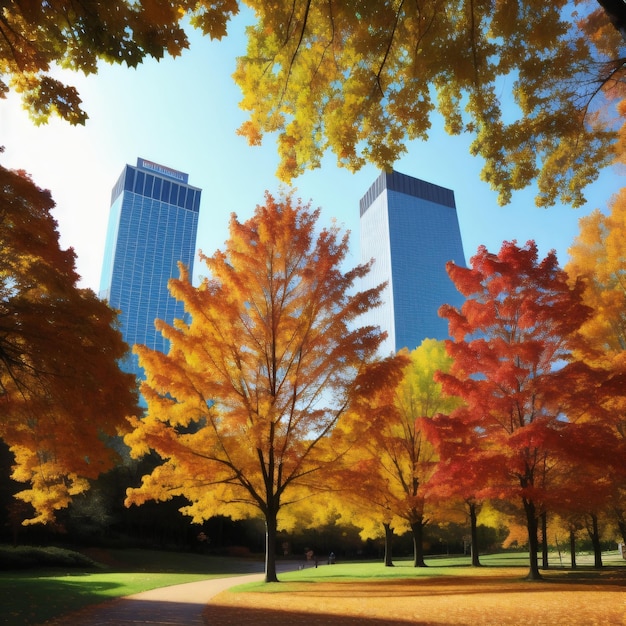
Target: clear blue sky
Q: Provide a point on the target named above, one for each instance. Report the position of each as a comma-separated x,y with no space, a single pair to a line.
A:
183,113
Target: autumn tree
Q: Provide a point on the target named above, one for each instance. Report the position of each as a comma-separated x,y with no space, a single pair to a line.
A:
398,454
597,258
35,37
407,454
362,492
250,407
61,391
362,79
457,477
513,365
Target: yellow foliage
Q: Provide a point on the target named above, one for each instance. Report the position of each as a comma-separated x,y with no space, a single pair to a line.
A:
251,409
598,257
362,79
358,81
489,515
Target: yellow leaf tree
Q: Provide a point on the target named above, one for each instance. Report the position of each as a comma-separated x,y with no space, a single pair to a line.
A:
361,78
409,457
62,394
598,256
249,410
400,456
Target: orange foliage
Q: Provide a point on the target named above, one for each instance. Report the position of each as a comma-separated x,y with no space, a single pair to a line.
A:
62,392
77,36
598,259
249,410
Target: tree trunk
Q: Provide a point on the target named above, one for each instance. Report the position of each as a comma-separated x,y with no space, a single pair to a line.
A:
533,543
544,540
621,523
417,529
388,545
594,535
474,534
270,547
572,546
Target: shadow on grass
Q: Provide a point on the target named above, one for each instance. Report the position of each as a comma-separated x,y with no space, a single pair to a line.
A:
227,616
587,597
32,600
588,576
493,585
449,585
128,612
139,560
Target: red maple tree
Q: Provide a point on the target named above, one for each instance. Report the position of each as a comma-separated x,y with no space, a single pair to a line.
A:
527,401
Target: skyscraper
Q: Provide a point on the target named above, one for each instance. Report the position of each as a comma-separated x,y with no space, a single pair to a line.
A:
410,228
153,224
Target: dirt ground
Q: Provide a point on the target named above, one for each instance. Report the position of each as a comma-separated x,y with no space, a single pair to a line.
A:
503,599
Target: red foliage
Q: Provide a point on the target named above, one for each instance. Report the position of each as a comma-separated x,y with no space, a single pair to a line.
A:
531,409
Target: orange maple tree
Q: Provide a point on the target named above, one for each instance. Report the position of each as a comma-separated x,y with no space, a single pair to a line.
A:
250,409
513,365
367,494
62,393
388,473
597,258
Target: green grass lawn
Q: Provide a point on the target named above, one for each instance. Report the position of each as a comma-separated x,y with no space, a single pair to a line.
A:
437,566
33,596
449,591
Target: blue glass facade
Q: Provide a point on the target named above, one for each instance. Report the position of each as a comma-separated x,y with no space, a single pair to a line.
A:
410,228
153,224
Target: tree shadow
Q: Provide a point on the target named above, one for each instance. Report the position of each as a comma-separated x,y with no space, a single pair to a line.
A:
217,615
427,602
46,598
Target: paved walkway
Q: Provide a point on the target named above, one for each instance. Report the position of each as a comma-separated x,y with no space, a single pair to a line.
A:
178,605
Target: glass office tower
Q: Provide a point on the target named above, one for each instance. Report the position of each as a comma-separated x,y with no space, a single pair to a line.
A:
152,226
410,228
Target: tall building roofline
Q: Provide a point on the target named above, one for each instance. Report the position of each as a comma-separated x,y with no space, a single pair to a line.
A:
162,183
395,181
163,170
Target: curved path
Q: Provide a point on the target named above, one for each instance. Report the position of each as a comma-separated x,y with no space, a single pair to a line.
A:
178,605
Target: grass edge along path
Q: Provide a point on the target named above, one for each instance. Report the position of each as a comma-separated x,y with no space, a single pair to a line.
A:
34,595
443,593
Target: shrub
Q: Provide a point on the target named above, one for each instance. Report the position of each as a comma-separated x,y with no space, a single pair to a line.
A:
23,557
